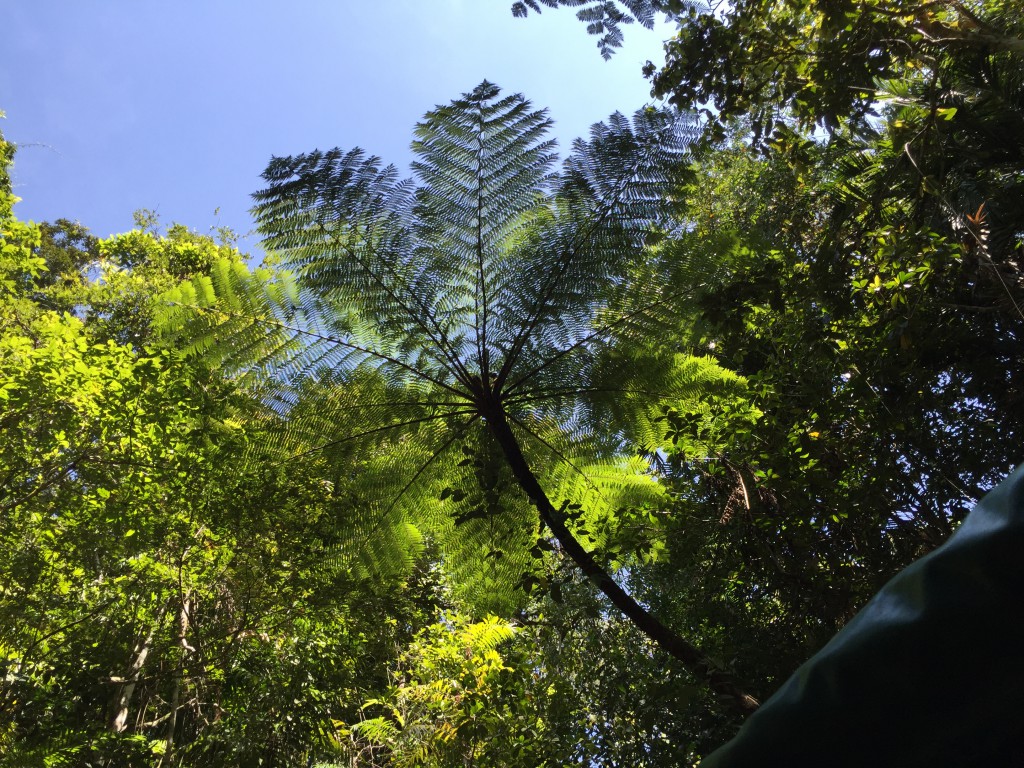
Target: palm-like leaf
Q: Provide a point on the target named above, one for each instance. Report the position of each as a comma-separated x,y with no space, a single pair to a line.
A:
461,344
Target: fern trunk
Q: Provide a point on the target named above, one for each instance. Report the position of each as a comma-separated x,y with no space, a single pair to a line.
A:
691,657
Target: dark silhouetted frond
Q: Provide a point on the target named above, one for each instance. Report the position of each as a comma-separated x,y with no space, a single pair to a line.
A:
605,18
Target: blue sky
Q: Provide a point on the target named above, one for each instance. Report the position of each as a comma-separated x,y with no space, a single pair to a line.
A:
126,104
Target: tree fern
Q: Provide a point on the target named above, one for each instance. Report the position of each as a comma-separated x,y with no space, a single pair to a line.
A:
459,344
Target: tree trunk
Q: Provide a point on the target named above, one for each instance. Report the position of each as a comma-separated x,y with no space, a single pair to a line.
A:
183,625
692,658
119,721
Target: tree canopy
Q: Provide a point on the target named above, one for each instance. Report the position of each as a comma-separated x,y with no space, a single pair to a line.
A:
519,461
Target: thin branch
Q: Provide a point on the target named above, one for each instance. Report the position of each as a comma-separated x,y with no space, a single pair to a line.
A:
67,626
48,483
533,395
982,249
406,404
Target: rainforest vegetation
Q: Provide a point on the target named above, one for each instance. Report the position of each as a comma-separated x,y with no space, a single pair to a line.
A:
520,461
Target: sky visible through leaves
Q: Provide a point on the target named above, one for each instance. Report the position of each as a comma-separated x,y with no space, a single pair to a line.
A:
177,108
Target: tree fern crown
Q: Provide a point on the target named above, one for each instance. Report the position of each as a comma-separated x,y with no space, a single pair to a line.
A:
490,264
413,318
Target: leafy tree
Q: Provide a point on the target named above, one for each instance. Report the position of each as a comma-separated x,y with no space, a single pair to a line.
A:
159,602
867,284
870,285
453,701
820,62
854,308
68,251
486,345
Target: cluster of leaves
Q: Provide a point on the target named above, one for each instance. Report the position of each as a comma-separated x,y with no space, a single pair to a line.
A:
816,62
605,17
451,700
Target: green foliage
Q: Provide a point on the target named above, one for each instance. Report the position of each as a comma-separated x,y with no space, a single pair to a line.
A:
69,252
18,263
821,62
412,312
854,308
867,284
452,694
751,390
140,560
161,599
136,266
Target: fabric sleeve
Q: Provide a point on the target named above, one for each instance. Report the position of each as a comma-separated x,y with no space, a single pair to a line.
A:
929,673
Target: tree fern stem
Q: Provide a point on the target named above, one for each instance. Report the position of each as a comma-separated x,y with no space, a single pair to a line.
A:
692,658
481,338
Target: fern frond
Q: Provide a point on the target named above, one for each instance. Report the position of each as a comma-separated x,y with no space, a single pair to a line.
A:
482,162
260,324
485,528
345,225
613,192
383,495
